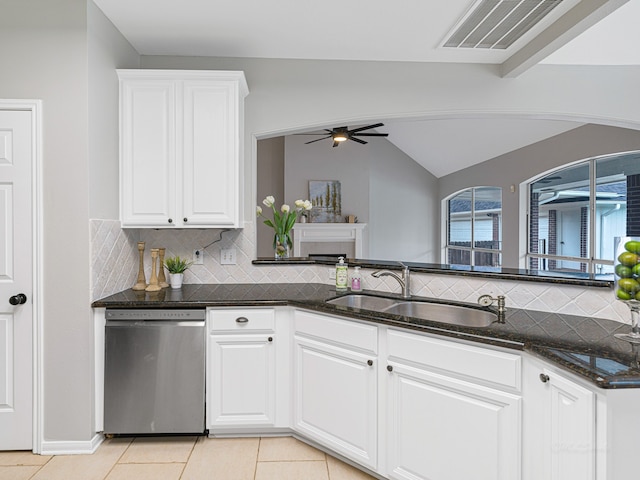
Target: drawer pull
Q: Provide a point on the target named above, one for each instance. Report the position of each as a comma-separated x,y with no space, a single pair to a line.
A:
390,368
242,320
544,378
370,362
270,339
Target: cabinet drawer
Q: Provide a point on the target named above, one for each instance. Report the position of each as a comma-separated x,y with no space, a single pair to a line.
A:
475,363
353,335
252,319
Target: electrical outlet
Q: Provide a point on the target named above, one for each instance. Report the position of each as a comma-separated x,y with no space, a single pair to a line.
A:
198,256
332,274
228,256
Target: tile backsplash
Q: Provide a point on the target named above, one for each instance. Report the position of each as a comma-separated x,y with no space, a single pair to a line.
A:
114,267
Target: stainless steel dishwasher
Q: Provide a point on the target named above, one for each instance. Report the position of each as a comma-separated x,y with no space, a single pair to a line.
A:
154,371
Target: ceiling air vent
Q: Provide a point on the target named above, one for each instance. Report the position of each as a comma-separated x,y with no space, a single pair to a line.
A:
497,24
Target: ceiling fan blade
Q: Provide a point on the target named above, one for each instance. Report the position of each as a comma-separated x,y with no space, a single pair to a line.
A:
367,127
370,134
317,140
357,140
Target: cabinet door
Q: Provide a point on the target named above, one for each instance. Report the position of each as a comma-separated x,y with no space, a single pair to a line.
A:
211,157
241,380
147,153
441,428
559,426
335,398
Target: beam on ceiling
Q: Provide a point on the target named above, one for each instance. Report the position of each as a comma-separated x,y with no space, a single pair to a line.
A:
577,20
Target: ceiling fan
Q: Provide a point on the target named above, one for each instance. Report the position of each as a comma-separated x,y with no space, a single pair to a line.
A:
342,134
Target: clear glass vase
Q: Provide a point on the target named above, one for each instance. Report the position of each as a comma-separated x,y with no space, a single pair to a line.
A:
627,283
281,243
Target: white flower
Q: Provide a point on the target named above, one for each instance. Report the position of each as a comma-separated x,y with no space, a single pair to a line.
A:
299,203
269,201
307,205
259,210
285,208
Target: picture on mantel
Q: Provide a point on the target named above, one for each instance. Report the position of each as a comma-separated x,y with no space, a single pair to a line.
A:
326,199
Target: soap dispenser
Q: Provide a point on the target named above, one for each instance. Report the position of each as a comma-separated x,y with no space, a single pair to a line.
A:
342,275
356,280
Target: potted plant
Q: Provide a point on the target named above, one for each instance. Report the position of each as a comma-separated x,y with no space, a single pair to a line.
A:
176,267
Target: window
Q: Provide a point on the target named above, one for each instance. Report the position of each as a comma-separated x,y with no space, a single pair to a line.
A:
578,214
474,227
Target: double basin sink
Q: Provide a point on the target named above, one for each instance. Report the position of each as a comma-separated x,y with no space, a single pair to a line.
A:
451,314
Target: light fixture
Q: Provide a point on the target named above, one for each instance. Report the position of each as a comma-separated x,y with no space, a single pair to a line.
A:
340,135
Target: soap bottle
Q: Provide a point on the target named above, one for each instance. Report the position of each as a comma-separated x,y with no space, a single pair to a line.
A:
356,280
342,275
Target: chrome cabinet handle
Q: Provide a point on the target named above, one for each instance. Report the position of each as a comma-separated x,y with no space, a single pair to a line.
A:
544,378
18,299
242,320
389,368
370,362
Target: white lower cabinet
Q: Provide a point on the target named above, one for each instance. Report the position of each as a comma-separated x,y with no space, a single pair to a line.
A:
560,426
241,368
411,406
440,424
335,385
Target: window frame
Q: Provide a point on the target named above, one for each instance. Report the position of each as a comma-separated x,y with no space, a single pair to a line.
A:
472,249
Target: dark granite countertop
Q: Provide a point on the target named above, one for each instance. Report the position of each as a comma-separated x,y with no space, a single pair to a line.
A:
583,345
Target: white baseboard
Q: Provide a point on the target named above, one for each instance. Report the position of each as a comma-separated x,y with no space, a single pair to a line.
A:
57,447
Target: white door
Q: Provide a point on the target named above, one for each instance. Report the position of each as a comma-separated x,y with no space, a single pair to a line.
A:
442,428
16,248
336,399
241,380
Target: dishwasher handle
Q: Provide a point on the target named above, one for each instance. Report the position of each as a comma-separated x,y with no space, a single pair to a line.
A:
147,323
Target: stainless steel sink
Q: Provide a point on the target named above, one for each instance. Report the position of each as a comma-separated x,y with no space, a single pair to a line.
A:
365,302
466,316
452,314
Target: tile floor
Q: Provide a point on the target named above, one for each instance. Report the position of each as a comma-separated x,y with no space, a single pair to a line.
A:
184,458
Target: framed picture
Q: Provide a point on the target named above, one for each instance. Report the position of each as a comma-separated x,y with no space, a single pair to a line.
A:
326,199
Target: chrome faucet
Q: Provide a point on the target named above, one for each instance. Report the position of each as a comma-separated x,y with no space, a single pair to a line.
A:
487,300
404,281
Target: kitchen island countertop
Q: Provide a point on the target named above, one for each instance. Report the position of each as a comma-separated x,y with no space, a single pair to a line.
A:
583,345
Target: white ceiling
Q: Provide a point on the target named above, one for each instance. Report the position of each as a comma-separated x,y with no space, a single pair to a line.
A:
383,30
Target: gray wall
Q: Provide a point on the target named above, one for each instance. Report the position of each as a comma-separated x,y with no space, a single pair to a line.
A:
44,47
380,184
525,163
270,175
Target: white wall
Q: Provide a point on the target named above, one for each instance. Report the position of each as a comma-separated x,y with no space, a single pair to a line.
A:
107,51
44,47
290,94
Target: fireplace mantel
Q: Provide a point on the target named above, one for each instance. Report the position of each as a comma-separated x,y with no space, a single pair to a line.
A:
338,233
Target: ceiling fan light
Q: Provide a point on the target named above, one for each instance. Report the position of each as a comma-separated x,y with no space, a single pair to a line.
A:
340,137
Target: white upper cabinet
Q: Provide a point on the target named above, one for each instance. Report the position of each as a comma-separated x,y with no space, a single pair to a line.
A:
181,138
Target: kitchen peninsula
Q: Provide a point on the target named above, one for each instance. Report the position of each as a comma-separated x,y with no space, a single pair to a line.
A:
540,391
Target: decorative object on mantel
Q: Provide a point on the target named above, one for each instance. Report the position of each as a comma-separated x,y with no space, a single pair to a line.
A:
141,283
162,280
176,266
627,286
351,219
153,281
282,223
326,198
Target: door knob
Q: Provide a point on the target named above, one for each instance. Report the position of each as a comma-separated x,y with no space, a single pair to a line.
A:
18,299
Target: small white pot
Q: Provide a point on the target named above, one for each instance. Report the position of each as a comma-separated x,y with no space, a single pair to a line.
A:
176,279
